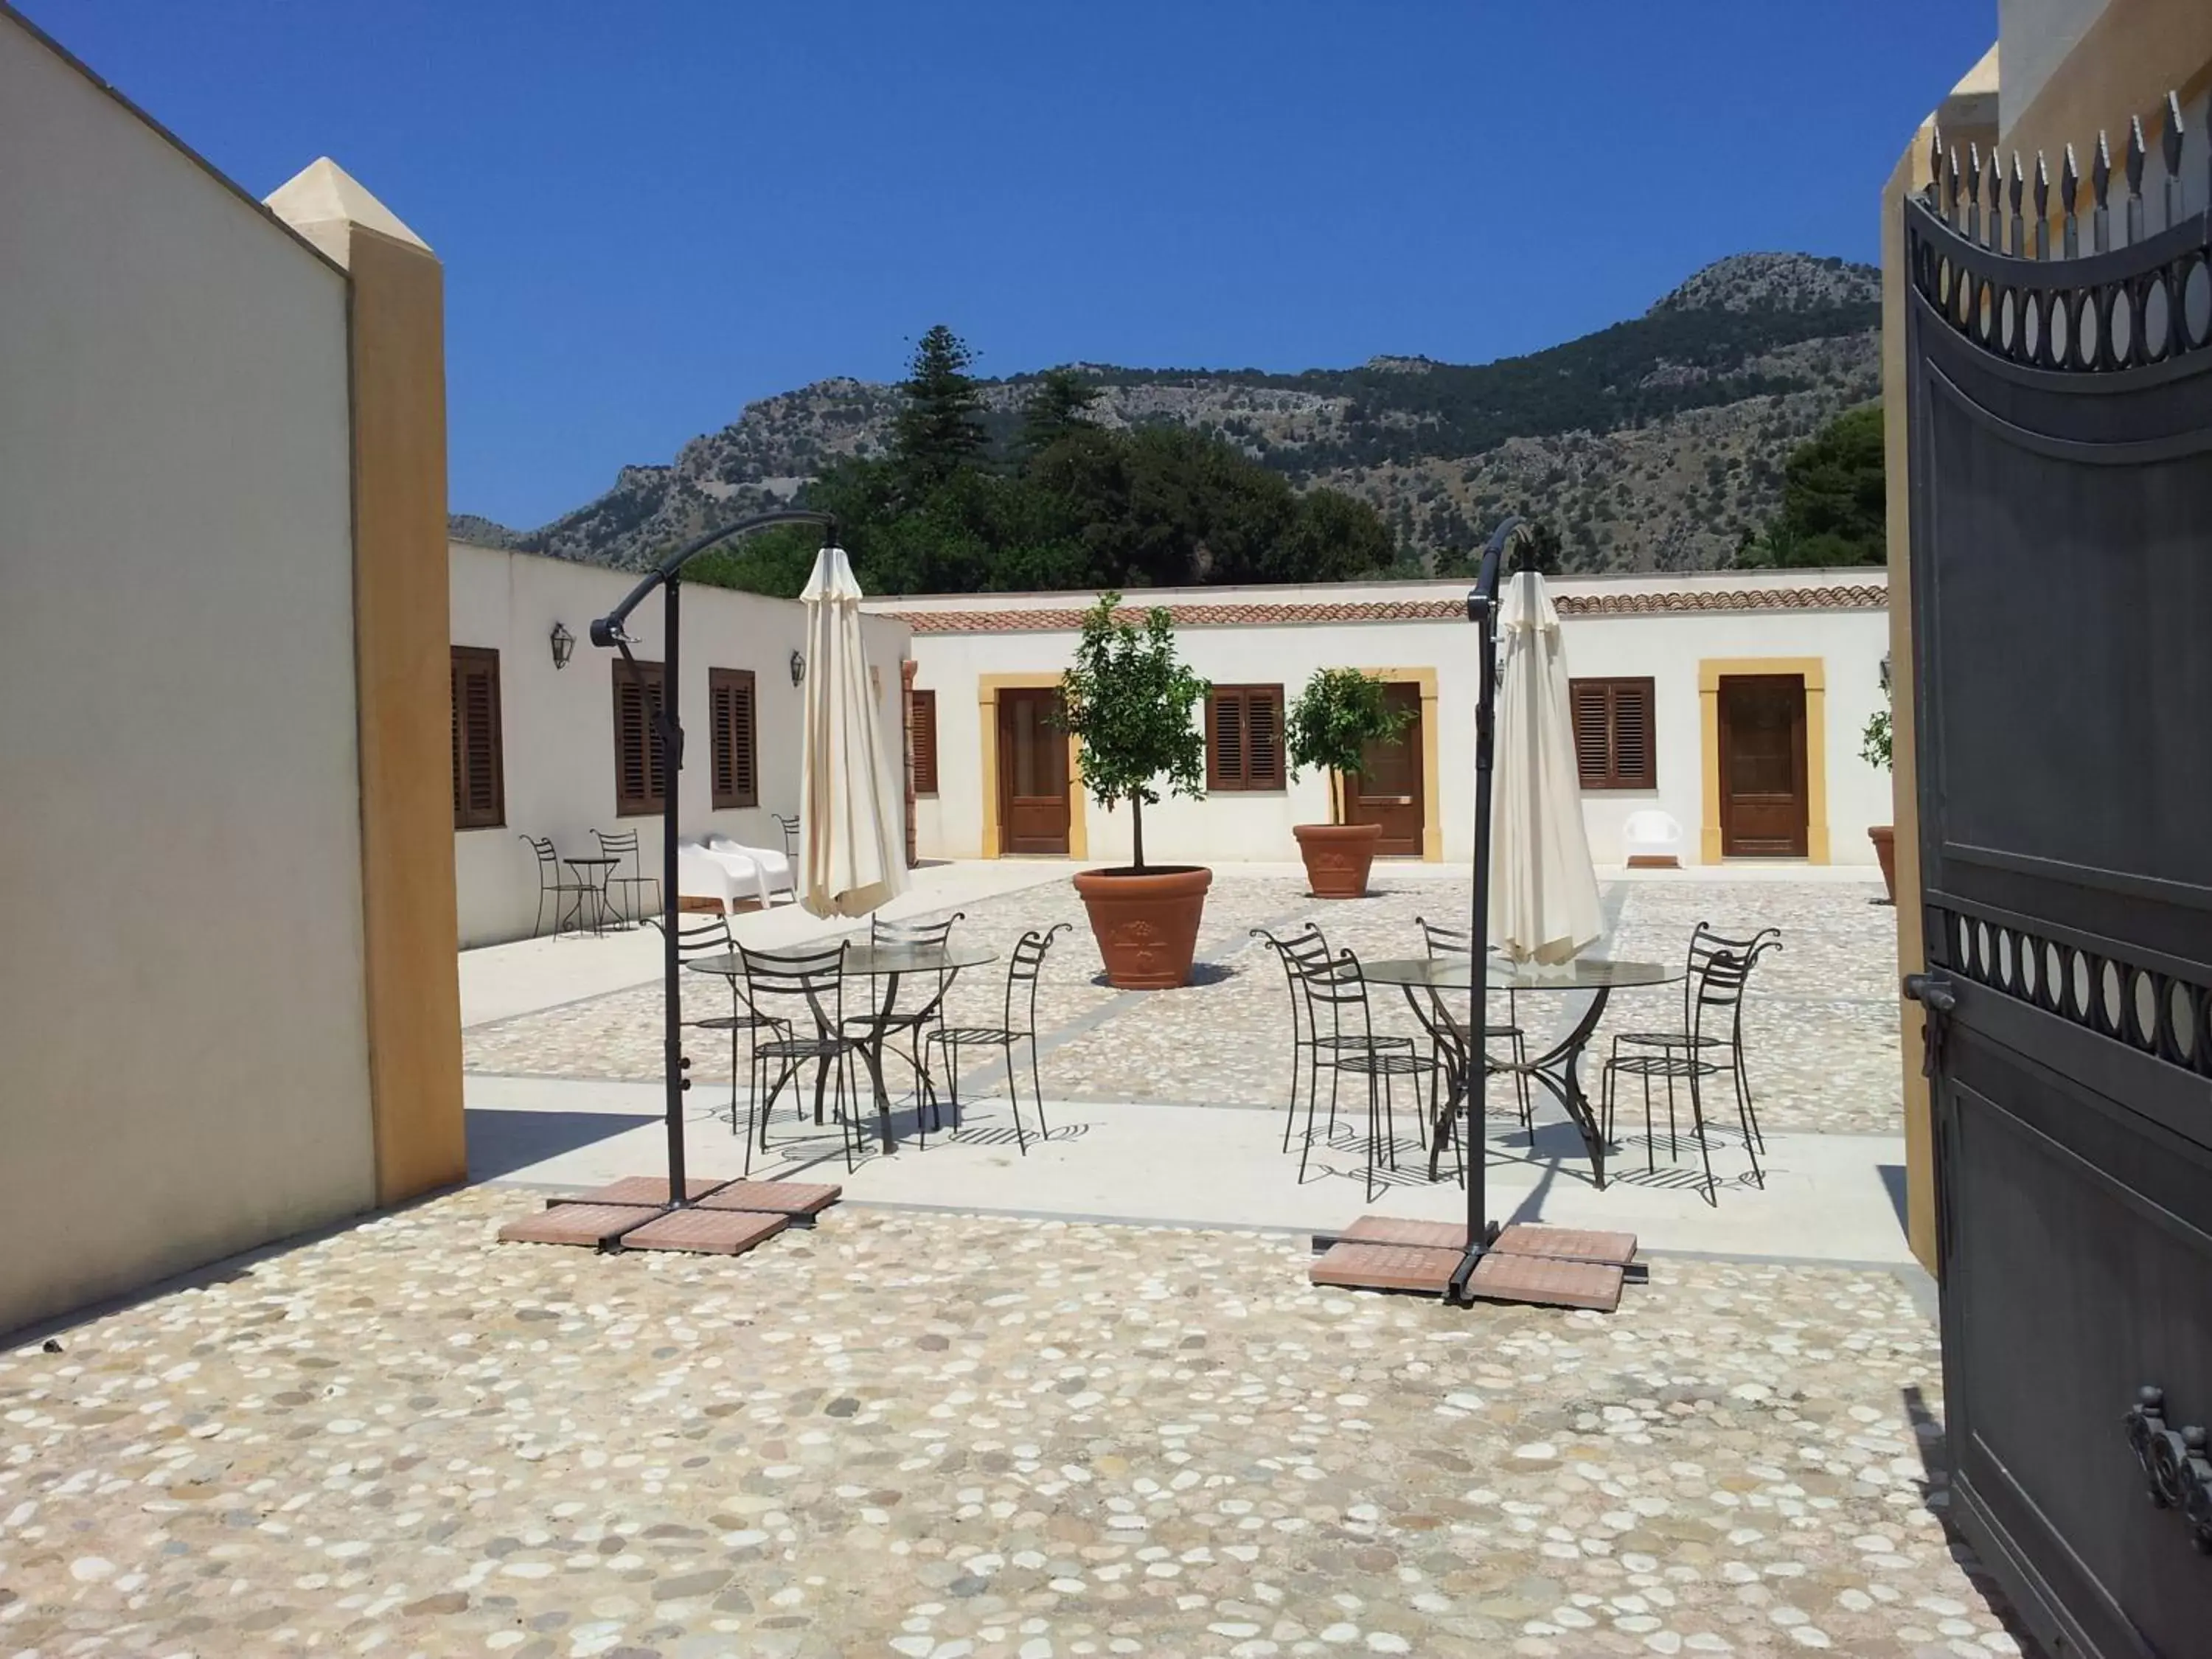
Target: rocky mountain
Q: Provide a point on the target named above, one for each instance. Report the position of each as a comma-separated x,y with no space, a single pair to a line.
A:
1653,444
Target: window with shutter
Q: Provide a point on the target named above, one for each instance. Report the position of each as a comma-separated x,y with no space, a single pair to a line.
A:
640,777
1616,743
924,726
737,736
1244,736
479,781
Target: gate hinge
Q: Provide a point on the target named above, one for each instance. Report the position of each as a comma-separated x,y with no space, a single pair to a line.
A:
1934,993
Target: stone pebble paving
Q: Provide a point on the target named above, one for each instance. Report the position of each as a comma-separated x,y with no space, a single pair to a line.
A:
940,1436
1821,1024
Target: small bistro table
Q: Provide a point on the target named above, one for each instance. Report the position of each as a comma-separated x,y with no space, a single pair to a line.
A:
892,964
593,872
1425,980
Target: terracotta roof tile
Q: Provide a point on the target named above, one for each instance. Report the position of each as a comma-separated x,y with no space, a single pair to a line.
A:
1869,596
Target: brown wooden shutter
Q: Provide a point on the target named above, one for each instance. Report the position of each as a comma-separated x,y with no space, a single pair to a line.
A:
1244,736
736,731
1616,744
639,775
923,705
1635,763
1263,737
479,784
1224,739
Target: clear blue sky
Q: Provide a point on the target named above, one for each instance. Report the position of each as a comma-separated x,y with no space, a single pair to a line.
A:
651,214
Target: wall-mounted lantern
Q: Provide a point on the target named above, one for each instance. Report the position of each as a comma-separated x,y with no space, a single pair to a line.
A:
797,668
1885,673
564,643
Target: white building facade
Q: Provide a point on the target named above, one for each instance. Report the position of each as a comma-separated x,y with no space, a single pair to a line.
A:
540,756
1734,702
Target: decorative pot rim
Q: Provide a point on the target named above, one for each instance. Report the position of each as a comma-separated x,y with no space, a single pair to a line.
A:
1326,831
1118,873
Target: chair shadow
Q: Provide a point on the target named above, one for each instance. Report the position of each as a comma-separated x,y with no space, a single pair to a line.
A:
502,1142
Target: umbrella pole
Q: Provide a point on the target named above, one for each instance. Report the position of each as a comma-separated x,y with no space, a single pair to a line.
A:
668,729
1482,610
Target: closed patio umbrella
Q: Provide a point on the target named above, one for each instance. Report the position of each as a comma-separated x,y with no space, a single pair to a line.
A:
852,826
1543,898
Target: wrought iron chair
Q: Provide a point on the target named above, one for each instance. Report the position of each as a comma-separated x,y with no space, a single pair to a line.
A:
917,1021
1458,942
1704,942
790,827
1342,1021
803,997
1022,969
624,846
1299,955
555,882
710,937
1714,993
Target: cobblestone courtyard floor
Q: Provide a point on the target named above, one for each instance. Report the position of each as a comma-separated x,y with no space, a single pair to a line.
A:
938,1436
1821,1023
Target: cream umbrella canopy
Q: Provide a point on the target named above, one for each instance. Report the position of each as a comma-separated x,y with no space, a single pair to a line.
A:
1543,898
851,838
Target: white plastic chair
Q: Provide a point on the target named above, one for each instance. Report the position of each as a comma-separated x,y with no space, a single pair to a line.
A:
771,869
1652,839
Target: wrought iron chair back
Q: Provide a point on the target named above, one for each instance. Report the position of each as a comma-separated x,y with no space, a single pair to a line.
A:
815,980
1444,941
630,870
789,825
1707,942
552,883
1024,969
913,932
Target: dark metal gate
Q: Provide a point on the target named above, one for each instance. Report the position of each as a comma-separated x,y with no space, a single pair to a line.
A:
2061,443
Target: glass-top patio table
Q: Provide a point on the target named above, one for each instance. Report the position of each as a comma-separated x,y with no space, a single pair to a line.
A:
1426,979
936,965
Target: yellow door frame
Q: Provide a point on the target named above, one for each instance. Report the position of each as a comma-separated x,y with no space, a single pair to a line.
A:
987,687
1432,823
1814,671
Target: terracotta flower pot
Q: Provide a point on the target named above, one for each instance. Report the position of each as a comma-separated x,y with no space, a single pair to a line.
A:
1884,837
1146,925
1338,856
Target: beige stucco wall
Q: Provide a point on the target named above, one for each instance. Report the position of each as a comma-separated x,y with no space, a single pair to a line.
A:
1228,826
557,726
181,994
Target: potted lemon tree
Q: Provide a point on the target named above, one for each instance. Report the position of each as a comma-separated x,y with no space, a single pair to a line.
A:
1874,749
1340,712
1128,701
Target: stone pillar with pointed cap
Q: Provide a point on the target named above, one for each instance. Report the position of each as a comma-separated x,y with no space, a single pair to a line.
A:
402,661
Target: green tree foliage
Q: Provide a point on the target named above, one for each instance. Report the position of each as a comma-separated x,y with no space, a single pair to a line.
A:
1127,699
1078,506
1834,504
1057,407
940,430
1331,723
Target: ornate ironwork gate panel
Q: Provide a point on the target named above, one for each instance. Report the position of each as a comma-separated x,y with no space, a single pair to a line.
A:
2060,444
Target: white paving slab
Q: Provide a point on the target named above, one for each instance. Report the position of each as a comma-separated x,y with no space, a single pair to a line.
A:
1827,1197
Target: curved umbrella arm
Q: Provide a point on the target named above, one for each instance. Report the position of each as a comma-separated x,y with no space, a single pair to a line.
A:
607,631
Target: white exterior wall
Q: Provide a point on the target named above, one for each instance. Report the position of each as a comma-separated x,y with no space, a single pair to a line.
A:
557,727
1668,647
182,1011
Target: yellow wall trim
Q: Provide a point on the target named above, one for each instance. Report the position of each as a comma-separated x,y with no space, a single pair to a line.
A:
987,687
1433,830
1814,671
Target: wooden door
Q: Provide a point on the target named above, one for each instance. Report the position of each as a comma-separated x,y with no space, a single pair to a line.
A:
1033,809
1764,799
1389,792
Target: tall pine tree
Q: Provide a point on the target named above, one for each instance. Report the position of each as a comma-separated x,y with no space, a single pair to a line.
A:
940,430
1056,408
